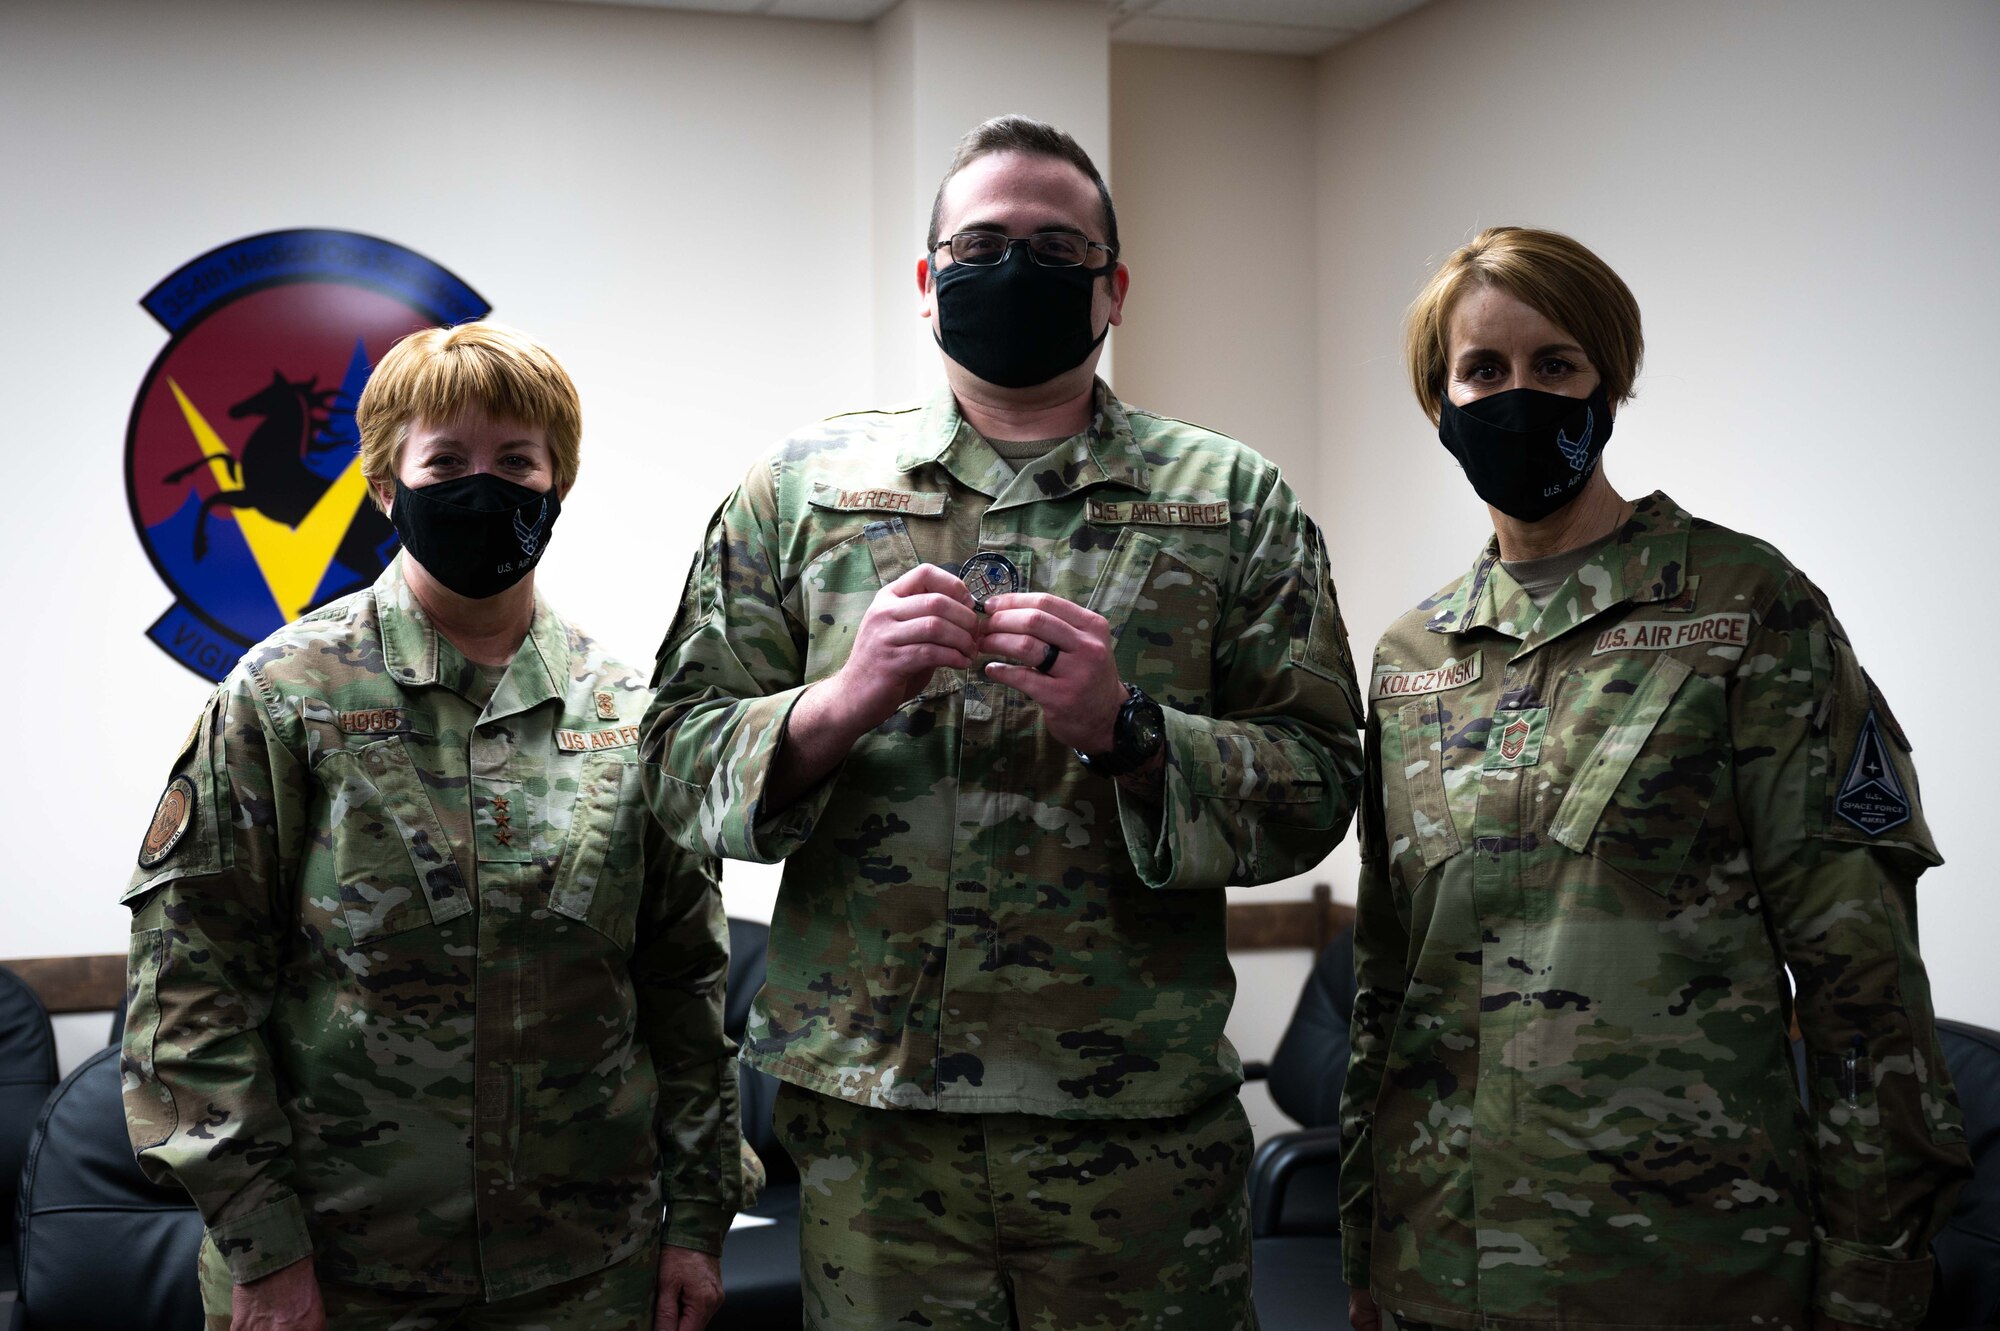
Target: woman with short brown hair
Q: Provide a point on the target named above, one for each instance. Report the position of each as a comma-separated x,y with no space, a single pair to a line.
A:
1623,775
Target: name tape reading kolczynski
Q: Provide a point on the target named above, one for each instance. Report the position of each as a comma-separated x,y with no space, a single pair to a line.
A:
1403,683
988,574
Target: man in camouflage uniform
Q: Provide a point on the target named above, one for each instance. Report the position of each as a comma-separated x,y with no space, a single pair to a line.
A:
1605,826
998,979
421,997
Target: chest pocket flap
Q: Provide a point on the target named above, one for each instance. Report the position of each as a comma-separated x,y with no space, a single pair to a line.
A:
1163,614
602,874
1636,800
393,864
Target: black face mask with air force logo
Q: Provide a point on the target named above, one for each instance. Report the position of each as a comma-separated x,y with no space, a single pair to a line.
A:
478,535
1527,452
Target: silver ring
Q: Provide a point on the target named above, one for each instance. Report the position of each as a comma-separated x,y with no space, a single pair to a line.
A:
1048,660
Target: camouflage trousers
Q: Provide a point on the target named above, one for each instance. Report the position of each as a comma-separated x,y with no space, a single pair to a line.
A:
617,1298
1014,1221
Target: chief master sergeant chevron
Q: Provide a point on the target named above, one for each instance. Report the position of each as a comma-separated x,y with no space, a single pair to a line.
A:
1016,681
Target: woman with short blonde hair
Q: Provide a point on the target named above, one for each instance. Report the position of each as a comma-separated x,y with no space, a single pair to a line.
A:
426,1009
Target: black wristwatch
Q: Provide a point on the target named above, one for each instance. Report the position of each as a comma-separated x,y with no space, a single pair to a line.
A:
1136,736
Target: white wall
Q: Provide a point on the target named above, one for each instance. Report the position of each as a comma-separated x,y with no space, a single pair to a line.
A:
635,187
1803,198
1040,58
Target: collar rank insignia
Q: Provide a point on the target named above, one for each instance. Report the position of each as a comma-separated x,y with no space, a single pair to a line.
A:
1872,797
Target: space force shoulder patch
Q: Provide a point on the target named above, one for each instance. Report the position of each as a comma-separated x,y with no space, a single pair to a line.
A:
1871,796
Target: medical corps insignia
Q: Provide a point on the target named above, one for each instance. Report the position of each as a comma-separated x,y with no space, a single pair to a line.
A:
240,466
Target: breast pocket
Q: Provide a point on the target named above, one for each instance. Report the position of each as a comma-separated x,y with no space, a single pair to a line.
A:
600,879
392,864
1641,793
837,588
1163,613
1416,806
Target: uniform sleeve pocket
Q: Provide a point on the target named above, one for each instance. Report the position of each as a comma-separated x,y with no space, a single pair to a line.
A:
150,1116
392,863
1319,638
602,874
1641,794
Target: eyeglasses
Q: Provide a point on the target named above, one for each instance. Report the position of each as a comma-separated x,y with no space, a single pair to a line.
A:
1050,249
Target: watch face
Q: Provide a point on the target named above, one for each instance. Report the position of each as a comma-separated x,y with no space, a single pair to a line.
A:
1146,730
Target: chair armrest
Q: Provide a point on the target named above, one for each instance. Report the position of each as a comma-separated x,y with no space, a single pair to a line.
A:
1271,1171
1256,1070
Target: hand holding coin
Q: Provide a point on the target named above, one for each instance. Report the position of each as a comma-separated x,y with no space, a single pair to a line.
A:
922,621
1058,653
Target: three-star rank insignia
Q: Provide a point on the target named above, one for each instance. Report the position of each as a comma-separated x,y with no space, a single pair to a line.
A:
171,819
1872,796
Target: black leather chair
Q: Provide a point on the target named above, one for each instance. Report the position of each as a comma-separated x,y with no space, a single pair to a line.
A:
1968,1251
101,1246
27,1075
85,1197
1294,1177
760,1262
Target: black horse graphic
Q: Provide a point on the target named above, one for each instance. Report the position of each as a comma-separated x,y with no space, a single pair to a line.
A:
272,477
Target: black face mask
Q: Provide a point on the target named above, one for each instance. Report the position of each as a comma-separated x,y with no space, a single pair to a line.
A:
1527,452
1016,323
478,535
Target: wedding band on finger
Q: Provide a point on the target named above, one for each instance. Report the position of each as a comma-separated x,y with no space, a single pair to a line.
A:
1048,660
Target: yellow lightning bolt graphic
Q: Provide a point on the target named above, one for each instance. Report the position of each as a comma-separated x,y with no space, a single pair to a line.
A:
293,561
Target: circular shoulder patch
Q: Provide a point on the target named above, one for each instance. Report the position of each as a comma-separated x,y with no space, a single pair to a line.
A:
170,822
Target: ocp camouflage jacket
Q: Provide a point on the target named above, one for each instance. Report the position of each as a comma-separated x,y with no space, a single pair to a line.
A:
418,987
1595,838
969,919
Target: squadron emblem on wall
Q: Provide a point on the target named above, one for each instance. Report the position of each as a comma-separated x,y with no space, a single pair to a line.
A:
240,467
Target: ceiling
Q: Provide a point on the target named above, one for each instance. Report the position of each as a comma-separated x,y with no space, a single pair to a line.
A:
1280,27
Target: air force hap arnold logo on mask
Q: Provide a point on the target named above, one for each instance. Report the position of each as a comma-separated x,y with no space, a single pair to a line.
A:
240,459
